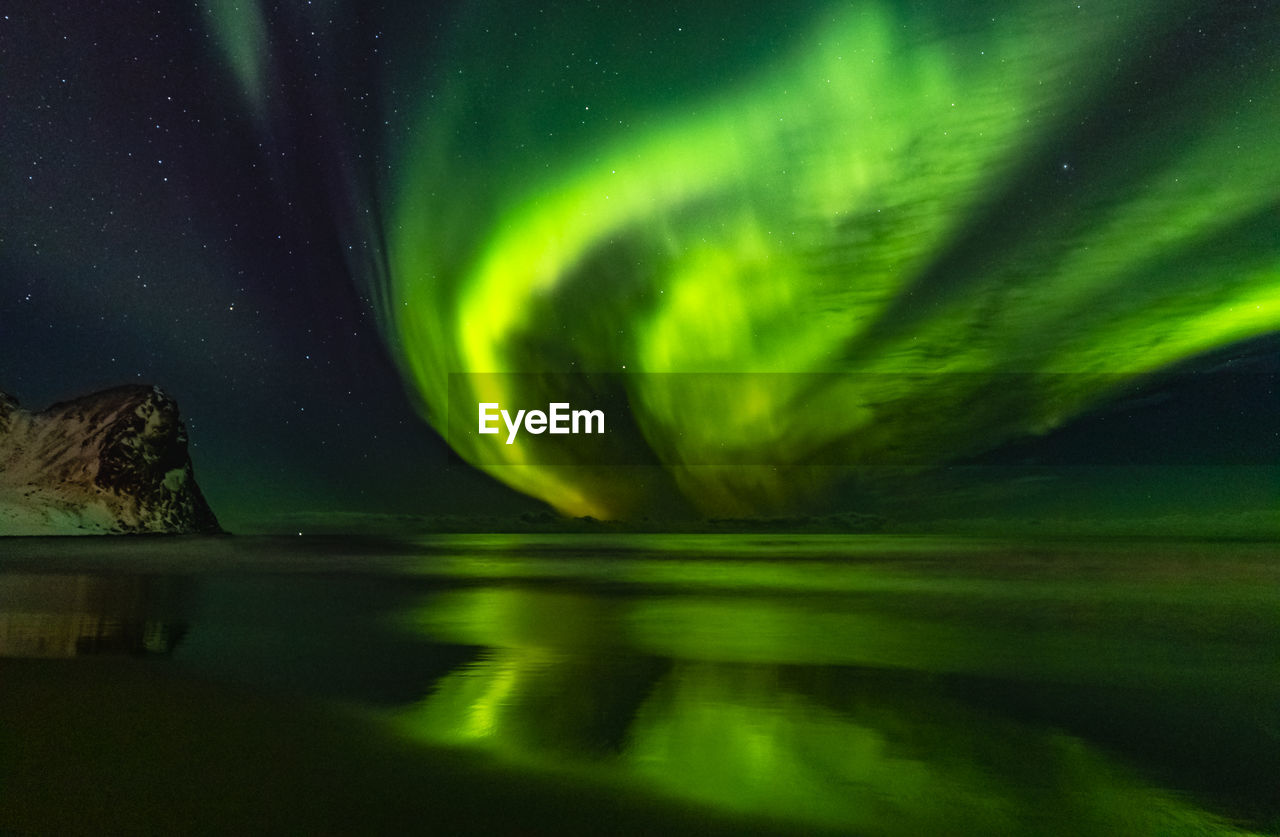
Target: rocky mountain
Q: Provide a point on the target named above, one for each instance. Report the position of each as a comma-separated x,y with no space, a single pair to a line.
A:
112,462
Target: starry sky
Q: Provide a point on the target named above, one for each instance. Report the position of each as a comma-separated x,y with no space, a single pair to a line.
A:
154,230
1019,256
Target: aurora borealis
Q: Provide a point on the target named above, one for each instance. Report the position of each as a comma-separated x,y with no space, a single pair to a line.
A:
929,198
815,254
811,714
935,348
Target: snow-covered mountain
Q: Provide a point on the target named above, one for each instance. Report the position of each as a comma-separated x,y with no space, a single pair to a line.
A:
112,462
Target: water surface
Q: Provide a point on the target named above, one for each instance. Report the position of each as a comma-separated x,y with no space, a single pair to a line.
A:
683,684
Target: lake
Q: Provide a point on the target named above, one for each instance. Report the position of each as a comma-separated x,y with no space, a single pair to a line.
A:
692,684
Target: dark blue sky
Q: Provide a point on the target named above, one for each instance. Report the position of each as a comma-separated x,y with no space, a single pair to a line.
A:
153,230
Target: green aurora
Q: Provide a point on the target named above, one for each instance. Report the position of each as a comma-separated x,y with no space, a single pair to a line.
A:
810,715
927,198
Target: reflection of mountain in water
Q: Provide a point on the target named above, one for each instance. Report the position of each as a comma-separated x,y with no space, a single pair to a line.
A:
72,615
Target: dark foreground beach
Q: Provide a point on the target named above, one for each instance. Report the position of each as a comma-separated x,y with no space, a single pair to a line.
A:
638,684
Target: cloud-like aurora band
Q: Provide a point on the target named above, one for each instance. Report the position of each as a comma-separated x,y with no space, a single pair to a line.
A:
668,692
933,199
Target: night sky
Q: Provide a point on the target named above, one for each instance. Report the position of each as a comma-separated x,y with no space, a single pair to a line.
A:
1014,260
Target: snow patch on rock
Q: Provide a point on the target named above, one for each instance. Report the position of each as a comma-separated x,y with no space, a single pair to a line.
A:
112,462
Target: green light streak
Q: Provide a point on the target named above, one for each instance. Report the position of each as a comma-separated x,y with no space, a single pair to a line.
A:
241,31
736,717
807,218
